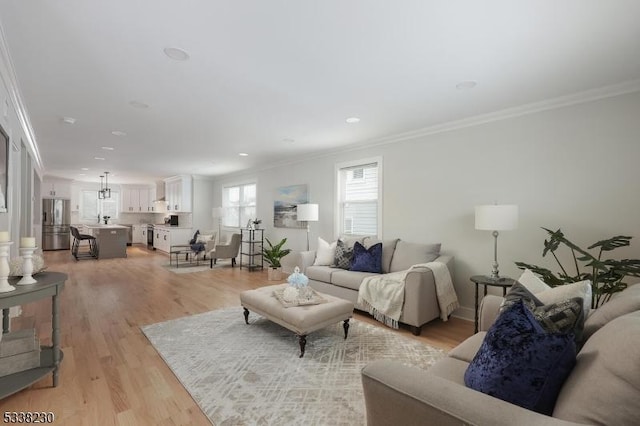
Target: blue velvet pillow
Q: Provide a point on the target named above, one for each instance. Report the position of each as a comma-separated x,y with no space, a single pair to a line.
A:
519,362
367,260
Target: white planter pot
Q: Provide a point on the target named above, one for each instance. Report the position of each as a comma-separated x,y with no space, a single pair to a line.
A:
274,274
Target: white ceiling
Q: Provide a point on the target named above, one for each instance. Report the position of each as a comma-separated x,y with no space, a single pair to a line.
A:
263,73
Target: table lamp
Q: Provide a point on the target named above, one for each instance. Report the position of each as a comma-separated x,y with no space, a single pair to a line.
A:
496,218
307,213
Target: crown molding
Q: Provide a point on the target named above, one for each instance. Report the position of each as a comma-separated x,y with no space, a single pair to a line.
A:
527,109
8,77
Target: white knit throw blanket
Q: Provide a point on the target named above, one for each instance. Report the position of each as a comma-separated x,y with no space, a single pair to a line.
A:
383,295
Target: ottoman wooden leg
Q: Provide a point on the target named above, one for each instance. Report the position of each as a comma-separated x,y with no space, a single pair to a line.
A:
246,315
346,327
303,342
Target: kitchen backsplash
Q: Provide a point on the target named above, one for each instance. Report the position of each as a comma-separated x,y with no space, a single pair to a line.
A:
184,219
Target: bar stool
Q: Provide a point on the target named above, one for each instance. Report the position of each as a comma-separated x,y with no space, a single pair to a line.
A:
92,253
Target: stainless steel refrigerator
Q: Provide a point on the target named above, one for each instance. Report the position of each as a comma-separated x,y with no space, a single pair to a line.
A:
56,215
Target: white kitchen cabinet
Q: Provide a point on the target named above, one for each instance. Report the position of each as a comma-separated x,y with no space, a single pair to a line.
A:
178,193
137,200
139,234
143,199
165,237
161,239
75,198
56,188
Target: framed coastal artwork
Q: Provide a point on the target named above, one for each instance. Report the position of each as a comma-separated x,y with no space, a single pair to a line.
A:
4,169
284,205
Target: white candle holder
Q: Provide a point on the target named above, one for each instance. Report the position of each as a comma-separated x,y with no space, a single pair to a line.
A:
27,266
5,287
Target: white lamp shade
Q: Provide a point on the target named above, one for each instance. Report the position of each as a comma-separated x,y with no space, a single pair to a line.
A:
497,217
217,212
307,212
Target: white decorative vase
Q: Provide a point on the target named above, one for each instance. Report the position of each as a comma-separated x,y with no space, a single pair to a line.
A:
5,287
27,266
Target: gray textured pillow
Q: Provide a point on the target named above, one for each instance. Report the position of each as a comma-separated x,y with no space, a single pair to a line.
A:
520,292
344,255
565,316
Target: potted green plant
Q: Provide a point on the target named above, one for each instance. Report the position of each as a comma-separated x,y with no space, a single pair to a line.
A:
606,275
272,255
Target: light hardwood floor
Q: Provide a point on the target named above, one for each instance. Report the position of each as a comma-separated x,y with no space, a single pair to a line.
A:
110,374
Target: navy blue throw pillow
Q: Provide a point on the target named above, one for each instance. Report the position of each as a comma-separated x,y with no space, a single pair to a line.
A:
519,362
367,260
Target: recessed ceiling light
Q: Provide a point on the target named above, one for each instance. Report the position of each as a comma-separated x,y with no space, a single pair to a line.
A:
108,148
98,158
68,120
352,120
176,53
82,174
138,104
84,168
243,154
118,133
466,85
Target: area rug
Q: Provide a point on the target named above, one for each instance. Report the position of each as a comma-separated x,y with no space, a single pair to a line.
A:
243,374
186,268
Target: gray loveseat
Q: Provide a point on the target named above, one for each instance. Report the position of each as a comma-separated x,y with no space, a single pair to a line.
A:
420,303
603,388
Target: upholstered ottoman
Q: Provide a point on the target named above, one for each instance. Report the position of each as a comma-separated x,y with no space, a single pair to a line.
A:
302,320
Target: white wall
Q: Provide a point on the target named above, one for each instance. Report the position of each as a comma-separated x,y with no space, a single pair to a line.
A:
202,204
10,221
574,168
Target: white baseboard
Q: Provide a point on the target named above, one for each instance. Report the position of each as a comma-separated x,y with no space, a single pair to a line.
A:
465,313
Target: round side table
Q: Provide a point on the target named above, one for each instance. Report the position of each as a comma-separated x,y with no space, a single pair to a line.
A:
485,280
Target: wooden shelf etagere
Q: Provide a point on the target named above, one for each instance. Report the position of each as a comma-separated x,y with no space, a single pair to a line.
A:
49,284
251,243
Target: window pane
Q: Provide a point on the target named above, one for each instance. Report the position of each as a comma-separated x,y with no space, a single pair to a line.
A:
358,195
247,213
234,195
249,195
360,218
90,205
110,205
365,188
239,203
231,217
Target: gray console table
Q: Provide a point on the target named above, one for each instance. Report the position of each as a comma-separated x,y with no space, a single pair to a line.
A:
50,284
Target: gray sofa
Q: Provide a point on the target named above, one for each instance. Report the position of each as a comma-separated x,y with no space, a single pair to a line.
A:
603,388
420,303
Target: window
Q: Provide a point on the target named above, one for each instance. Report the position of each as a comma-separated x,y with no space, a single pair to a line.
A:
359,198
93,209
239,203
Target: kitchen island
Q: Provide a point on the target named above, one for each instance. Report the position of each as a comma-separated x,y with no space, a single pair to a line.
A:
111,239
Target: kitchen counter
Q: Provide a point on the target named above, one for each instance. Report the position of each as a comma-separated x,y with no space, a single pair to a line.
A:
172,227
111,239
101,226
